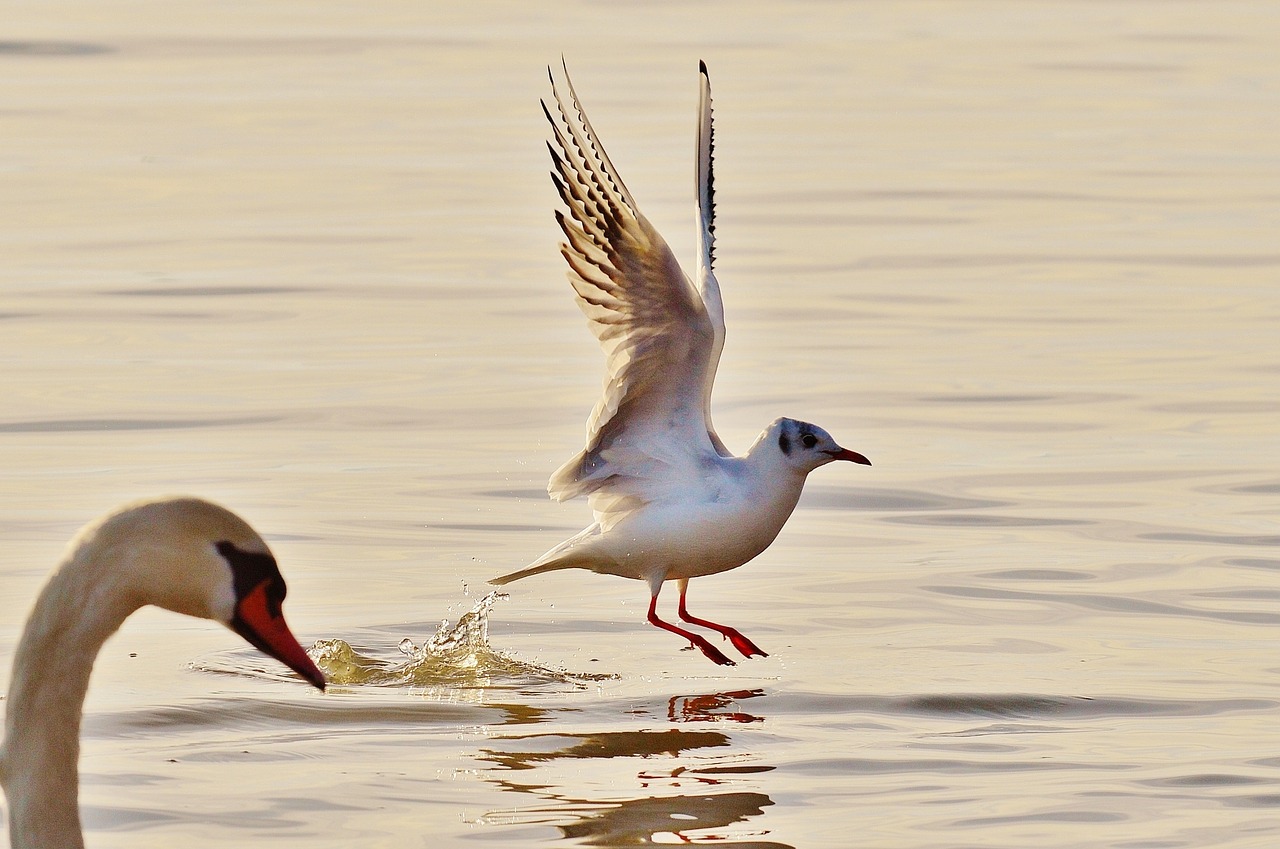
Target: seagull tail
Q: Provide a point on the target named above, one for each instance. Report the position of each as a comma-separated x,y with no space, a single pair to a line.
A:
573,553
531,570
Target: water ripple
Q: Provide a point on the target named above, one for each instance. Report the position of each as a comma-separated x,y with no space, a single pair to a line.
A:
976,520
1039,575
93,425
1254,562
52,48
1119,604
824,497
1227,539
211,291
1012,705
935,766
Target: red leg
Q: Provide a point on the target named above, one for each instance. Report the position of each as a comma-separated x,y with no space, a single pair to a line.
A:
739,640
709,650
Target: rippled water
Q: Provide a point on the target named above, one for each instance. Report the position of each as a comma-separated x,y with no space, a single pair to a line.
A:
301,260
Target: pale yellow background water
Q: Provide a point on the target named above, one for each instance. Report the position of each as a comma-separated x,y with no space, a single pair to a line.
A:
299,258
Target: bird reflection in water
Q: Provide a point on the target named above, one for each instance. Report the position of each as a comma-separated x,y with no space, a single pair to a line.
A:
634,822
701,767
710,708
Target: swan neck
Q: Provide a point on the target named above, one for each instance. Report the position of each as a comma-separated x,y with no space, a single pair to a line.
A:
82,605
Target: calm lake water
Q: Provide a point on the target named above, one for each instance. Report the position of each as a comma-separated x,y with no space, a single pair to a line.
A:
301,260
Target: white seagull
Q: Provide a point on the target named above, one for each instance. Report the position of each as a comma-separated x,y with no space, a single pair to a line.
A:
670,501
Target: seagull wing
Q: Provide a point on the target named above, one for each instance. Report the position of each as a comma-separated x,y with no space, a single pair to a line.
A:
649,433
708,287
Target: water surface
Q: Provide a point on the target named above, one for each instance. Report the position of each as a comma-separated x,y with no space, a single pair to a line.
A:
301,260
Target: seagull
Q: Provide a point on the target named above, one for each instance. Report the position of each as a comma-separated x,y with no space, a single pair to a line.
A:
670,501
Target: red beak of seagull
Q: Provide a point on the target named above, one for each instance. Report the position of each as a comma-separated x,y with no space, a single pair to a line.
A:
851,456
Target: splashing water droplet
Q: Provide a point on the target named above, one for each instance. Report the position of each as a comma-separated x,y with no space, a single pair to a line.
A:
456,657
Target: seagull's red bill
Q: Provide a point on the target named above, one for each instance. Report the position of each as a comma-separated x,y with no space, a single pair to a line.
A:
851,456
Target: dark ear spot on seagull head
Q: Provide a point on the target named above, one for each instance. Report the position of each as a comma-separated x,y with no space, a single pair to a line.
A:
807,446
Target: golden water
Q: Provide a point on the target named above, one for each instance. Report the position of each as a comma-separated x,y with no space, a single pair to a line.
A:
300,259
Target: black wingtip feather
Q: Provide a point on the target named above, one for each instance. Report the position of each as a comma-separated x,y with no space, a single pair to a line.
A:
702,68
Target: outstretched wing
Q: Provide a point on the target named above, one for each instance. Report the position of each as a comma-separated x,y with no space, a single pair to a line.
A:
649,431
708,287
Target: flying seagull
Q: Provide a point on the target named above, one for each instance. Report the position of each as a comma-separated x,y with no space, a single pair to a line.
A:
670,501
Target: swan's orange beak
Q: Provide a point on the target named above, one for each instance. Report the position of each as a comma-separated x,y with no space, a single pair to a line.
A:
261,622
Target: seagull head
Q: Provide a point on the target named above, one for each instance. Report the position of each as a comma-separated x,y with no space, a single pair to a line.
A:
805,446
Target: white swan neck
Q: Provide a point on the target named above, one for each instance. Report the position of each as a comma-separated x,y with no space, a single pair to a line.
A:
82,605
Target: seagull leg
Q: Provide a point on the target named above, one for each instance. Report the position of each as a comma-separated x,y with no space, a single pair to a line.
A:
739,640
713,653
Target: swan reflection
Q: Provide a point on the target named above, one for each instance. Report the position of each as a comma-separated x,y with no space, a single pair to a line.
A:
688,786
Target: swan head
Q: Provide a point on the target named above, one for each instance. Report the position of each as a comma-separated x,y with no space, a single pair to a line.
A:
194,557
803,446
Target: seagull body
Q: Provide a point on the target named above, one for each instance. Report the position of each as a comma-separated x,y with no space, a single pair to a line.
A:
721,518
671,502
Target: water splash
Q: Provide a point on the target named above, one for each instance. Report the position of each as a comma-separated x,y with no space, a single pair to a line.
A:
456,656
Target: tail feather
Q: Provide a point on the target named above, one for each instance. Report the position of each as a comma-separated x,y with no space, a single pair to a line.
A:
573,553
526,572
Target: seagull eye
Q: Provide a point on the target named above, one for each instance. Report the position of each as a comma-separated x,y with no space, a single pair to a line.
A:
809,440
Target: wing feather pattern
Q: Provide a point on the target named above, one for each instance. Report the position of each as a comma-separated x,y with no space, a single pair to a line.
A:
650,428
708,286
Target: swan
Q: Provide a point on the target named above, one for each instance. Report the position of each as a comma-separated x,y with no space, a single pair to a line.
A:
182,554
